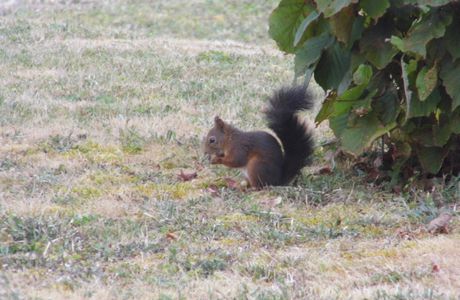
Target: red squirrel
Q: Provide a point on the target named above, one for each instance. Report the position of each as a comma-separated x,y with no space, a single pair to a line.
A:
265,160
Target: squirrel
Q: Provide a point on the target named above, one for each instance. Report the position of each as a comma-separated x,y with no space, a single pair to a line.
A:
265,160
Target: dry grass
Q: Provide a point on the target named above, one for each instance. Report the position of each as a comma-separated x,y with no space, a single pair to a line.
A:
103,104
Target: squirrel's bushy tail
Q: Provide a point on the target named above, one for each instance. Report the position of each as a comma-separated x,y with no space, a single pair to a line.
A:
296,138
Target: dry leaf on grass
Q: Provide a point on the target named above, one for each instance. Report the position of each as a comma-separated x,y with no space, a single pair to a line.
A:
373,174
407,233
186,176
325,171
213,190
171,236
233,184
378,162
440,224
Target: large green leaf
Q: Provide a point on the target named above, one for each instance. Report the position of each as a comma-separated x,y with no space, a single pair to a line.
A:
327,109
311,52
375,46
426,2
356,30
427,79
304,25
441,134
431,26
387,107
432,135
342,24
364,131
334,105
331,7
418,108
455,122
431,158
374,9
339,123
362,75
406,70
450,75
332,67
357,99
452,38
285,20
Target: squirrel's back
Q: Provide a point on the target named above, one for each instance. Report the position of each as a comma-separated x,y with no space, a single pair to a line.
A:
293,133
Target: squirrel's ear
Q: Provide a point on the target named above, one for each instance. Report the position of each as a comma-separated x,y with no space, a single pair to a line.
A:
219,123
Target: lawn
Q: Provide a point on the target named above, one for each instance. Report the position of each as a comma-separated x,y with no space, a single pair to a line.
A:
104,103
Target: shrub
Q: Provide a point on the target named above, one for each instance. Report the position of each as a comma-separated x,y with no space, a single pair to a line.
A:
391,68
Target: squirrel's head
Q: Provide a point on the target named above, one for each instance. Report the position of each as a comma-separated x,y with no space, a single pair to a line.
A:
213,143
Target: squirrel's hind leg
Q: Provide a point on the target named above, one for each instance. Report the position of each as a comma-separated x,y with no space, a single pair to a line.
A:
261,173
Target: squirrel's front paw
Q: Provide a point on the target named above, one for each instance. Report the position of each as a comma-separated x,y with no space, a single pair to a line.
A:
216,159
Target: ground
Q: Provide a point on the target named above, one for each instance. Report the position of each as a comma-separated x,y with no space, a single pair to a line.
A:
104,103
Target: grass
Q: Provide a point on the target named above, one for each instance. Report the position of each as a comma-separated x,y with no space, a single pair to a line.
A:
103,105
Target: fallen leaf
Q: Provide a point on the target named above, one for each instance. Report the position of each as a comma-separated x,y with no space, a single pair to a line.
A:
233,184
378,162
440,224
407,233
186,176
213,190
171,236
325,171
397,189
373,174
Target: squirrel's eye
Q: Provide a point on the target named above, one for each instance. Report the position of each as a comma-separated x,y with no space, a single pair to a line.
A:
212,140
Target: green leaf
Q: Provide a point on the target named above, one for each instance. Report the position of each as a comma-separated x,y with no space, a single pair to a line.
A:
374,9
432,135
426,81
406,70
431,158
285,20
365,130
450,75
327,109
331,7
431,26
441,134
455,122
300,31
418,108
387,107
353,93
357,99
311,52
332,67
345,83
334,106
362,75
374,44
342,24
356,30
338,124
433,3
452,38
